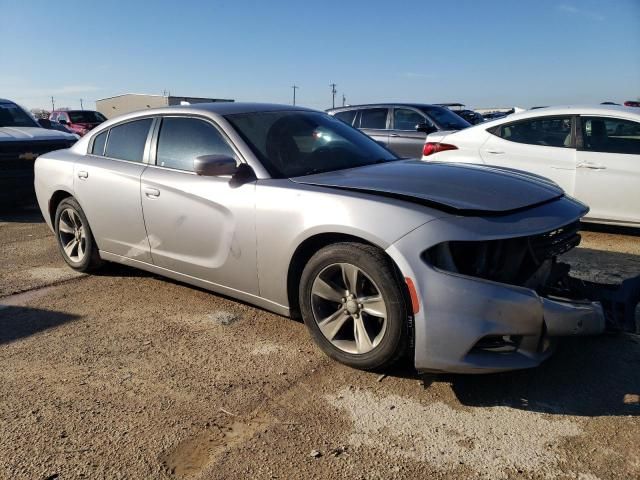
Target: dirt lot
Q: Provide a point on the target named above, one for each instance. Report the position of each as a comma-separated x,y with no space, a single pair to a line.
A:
128,375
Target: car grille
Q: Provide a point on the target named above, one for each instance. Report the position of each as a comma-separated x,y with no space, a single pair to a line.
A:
10,153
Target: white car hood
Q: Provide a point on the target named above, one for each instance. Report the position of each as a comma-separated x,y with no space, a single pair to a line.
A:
13,134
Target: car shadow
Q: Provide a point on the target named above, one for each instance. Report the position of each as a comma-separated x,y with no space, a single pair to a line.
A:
588,376
19,322
615,229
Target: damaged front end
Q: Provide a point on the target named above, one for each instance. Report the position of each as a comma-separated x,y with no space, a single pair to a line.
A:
571,306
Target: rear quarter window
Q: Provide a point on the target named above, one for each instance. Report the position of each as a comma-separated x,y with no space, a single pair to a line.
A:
99,143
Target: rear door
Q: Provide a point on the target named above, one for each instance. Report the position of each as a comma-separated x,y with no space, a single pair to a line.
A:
608,173
199,226
107,186
541,145
375,123
404,140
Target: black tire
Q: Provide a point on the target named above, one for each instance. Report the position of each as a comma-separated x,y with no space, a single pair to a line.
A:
91,259
379,269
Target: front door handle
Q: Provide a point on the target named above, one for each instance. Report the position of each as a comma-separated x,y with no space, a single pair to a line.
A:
591,166
151,192
394,135
495,152
83,174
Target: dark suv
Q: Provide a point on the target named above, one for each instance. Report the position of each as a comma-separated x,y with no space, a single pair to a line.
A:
401,127
78,121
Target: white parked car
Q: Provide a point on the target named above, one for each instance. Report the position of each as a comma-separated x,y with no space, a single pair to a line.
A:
592,152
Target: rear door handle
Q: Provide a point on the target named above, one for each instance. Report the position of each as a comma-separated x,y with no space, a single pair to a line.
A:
151,192
591,166
83,174
495,152
394,135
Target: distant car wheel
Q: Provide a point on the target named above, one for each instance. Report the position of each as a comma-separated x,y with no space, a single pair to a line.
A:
75,240
353,305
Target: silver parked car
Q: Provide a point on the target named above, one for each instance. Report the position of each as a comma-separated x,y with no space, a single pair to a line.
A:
294,211
401,127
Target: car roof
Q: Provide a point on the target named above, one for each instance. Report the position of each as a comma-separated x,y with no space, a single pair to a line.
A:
227,108
577,110
389,104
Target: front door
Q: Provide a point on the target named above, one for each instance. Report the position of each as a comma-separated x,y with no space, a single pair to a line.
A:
199,226
608,173
404,140
107,187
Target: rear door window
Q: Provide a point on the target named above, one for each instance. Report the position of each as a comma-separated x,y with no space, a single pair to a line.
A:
347,117
545,131
181,140
375,118
610,135
127,141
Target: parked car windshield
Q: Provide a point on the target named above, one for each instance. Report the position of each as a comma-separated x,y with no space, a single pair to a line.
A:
296,143
445,119
86,116
11,115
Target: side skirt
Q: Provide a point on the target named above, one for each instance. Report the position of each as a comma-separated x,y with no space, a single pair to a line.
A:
214,287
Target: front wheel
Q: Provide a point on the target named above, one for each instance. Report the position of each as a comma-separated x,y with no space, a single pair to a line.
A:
354,307
75,239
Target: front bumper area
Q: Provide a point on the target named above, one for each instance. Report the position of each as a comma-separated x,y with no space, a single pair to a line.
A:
478,326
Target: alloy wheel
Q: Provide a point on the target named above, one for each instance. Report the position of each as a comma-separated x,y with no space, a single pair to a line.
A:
348,308
72,235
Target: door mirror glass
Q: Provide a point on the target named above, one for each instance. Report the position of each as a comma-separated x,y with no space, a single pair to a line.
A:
426,128
215,165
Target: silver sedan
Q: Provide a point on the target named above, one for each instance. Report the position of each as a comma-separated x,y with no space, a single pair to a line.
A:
296,212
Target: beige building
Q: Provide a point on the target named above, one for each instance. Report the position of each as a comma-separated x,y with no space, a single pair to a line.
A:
130,102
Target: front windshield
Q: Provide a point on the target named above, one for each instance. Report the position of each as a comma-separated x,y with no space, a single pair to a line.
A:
11,115
445,119
86,116
296,143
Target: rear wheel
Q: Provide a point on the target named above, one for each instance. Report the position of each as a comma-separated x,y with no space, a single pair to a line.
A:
75,240
353,305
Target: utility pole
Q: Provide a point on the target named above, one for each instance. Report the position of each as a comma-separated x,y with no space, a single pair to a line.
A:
344,100
295,87
81,107
53,104
333,94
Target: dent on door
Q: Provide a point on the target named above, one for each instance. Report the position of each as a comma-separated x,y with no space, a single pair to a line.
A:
201,226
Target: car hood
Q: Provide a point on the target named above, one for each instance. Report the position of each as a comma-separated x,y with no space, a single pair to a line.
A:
16,134
460,188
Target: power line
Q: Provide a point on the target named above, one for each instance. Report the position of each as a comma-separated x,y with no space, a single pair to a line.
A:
333,94
295,87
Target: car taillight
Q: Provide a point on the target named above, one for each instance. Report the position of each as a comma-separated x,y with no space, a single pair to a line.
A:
433,147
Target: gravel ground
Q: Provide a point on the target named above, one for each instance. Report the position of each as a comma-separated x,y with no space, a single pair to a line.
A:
128,375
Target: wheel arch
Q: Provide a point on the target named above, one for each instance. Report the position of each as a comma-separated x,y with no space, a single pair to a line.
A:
54,201
306,249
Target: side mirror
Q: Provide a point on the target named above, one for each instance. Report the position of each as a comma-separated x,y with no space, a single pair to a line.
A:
215,165
62,121
44,123
426,128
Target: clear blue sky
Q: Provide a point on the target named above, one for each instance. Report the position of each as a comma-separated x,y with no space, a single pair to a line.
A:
482,53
